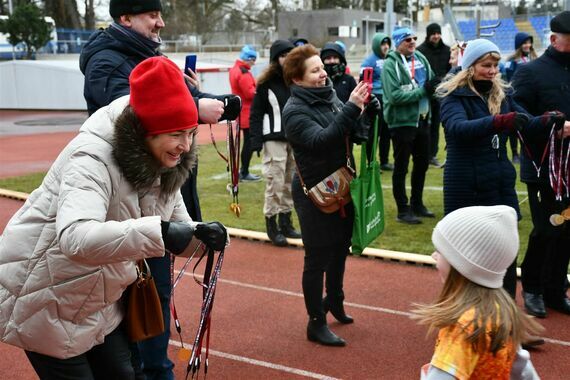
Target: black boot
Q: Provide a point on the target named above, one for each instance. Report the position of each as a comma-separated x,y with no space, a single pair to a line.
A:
286,226
337,310
276,237
318,331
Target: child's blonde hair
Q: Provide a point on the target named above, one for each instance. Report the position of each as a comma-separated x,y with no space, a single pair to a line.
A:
493,307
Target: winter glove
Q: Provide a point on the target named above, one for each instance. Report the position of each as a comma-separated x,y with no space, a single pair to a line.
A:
360,131
213,234
232,107
509,122
553,118
374,107
176,236
431,85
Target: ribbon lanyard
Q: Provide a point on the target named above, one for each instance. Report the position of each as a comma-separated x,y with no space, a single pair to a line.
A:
183,353
233,147
412,71
209,284
558,169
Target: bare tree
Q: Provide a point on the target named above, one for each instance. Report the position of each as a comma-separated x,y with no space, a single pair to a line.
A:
64,12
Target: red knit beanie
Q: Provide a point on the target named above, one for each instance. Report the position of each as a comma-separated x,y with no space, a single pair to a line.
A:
160,98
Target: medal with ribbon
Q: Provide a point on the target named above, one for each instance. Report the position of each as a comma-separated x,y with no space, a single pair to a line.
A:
232,161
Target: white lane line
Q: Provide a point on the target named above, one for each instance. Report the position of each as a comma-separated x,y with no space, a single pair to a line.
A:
356,305
556,341
261,363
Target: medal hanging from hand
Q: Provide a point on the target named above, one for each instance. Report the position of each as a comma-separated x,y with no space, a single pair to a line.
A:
209,283
183,353
233,147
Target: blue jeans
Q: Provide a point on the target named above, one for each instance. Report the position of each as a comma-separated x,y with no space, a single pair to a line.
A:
153,352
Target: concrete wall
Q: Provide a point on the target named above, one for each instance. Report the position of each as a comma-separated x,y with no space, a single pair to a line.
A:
314,25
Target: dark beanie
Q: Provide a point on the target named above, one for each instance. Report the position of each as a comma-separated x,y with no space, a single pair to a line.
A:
279,47
117,8
561,23
332,49
433,29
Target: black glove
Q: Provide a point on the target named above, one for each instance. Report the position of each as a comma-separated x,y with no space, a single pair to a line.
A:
361,130
373,107
431,85
232,107
176,236
213,234
555,118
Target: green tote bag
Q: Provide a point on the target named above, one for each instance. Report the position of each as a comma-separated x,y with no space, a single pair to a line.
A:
366,193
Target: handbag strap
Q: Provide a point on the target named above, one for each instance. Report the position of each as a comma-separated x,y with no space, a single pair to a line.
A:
363,158
348,165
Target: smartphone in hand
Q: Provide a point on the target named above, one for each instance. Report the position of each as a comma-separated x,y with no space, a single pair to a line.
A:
367,73
190,63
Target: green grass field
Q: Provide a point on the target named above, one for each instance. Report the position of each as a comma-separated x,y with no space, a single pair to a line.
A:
215,201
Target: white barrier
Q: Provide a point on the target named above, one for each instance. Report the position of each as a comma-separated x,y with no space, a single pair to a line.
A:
58,84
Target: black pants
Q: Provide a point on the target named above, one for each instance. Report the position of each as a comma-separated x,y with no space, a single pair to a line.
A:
434,128
513,141
318,261
383,138
190,195
546,260
110,360
414,142
246,153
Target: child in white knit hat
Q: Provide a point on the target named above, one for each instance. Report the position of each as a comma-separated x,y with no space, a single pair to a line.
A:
480,326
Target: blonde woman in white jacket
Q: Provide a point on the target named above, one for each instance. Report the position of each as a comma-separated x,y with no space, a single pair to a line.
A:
111,198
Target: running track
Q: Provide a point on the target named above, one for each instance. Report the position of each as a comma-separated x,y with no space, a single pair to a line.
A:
259,316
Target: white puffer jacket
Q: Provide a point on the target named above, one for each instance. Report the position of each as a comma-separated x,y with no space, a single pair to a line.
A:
69,253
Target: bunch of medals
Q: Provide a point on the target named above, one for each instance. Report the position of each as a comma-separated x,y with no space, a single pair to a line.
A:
558,152
232,161
559,175
209,282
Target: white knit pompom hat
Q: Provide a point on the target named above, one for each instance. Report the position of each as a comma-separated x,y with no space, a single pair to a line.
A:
480,242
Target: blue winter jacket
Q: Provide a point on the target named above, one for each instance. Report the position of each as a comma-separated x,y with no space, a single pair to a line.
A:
478,171
377,64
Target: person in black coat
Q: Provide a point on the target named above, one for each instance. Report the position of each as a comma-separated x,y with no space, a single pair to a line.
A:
437,54
478,115
333,57
320,129
543,85
266,132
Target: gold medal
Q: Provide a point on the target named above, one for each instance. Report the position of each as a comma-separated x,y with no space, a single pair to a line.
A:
557,220
235,208
566,213
184,354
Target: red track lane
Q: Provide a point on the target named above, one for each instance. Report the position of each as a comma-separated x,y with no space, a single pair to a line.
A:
259,315
259,318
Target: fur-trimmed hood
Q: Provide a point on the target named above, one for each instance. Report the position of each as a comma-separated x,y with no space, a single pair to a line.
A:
127,136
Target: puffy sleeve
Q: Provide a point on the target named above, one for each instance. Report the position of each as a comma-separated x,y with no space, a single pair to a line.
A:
81,226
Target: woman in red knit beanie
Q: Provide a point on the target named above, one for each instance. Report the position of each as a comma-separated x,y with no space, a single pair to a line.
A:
111,198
